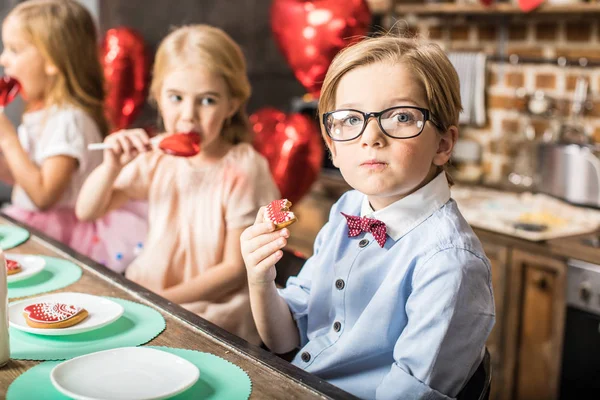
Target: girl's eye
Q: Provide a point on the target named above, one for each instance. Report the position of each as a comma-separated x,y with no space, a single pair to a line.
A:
207,101
175,98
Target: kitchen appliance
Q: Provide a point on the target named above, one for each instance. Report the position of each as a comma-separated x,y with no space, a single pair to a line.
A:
580,374
569,171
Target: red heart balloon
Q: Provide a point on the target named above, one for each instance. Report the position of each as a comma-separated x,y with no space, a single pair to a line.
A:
292,144
310,34
9,88
181,144
125,65
529,5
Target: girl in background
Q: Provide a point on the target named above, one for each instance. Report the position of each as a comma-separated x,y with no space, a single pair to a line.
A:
50,47
198,206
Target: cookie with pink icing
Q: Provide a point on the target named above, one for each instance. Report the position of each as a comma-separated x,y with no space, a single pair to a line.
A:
53,315
12,267
278,212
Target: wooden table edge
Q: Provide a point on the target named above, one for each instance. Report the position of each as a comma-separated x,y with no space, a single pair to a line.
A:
232,342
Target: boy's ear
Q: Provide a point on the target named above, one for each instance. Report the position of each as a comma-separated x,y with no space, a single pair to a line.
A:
445,146
332,152
50,69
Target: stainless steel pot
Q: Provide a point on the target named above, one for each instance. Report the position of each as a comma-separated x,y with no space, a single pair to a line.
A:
570,172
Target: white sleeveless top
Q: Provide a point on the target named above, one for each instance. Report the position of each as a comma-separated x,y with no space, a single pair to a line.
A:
59,131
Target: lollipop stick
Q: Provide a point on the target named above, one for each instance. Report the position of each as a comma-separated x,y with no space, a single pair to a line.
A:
105,146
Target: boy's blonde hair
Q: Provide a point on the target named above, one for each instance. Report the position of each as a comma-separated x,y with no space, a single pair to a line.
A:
65,33
213,49
426,60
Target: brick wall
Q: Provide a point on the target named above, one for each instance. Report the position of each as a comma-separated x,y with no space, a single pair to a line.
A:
528,36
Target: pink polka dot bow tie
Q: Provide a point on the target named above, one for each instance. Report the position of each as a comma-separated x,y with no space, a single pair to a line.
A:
375,227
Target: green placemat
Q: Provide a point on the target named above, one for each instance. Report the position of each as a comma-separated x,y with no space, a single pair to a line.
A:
57,274
219,380
12,236
138,325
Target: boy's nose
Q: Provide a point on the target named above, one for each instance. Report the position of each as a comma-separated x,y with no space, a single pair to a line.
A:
372,135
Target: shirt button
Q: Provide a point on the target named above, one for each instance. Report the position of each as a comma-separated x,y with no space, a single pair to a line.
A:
337,326
339,284
305,356
363,243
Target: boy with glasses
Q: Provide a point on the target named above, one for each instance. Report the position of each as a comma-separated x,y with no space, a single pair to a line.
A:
396,301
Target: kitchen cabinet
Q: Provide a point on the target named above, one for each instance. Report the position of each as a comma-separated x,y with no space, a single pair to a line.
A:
526,342
498,256
540,297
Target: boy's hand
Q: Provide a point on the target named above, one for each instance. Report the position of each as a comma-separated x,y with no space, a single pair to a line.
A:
125,146
261,248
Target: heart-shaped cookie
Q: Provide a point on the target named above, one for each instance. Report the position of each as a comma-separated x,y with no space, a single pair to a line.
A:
12,267
53,315
51,312
278,212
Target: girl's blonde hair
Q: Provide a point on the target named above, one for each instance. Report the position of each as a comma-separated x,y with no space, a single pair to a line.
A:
213,49
426,60
65,33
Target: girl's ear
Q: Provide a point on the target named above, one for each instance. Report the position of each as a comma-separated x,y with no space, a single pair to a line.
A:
445,146
50,69
234,106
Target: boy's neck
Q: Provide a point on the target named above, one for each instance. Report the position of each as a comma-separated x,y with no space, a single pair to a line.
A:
379,203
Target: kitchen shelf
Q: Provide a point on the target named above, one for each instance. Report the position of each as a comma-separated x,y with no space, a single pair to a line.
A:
477,9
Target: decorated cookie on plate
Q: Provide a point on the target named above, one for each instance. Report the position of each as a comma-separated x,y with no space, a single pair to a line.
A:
53,315
13,267
278,212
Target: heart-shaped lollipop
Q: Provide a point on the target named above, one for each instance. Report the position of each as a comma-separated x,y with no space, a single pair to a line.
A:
178,144
181,144
9,88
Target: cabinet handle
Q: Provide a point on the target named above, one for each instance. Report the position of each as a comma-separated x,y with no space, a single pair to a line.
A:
541,283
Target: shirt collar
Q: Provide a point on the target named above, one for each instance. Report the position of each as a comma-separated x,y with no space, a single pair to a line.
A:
405,214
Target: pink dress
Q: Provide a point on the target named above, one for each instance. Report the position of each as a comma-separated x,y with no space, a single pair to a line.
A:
190,211
113,240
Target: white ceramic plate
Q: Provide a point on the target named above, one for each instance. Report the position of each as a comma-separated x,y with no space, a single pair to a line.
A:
30,265
101,312
132,373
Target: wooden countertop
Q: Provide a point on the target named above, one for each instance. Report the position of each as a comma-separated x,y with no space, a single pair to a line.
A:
272,377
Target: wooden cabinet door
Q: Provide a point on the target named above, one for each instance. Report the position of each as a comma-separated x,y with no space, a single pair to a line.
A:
498,256
540,297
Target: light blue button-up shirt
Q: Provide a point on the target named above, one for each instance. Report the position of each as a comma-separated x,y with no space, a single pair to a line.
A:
406,321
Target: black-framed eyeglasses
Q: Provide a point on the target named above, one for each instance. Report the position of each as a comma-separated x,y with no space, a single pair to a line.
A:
404,122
